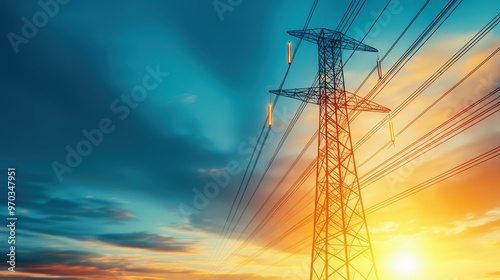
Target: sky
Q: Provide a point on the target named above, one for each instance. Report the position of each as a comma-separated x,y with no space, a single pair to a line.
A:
130,125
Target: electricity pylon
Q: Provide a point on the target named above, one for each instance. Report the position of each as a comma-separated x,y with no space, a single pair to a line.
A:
341,244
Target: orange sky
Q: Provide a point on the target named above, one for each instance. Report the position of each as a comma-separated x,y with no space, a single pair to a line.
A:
448,231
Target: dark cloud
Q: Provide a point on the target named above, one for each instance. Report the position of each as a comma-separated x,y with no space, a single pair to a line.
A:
142,240
62,84
62,218
77,264
30,227
71,208
38,198
62,257
36,227
21,277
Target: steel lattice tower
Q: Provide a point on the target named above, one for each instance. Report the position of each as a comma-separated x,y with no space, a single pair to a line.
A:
341,243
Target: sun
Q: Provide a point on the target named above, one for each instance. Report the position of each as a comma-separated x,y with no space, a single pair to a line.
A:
405,264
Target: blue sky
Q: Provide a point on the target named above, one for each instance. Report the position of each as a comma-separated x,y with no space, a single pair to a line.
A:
123,199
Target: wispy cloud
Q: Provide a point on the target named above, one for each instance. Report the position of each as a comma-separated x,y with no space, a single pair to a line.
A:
493,275
148,241
188,99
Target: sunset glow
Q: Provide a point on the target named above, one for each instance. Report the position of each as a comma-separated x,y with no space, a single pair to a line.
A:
406,264
147,145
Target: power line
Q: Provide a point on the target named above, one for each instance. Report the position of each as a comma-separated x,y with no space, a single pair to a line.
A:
458,114
433,104
348,12
436,140
490,154
224,229
417,44
438,73
454,171
382,87
298,113
393,44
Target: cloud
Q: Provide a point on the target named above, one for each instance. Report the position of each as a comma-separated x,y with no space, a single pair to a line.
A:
80,265
385,227
77,264
142,240
493,274
62,218
62,209
27,277
470,224
189,99
135,240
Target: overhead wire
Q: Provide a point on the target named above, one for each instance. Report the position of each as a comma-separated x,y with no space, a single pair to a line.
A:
438,73
247,204
464,110
292,124
417,44
246,171
436,140
417,13
456,170
224,229
432,105
302,106
393,44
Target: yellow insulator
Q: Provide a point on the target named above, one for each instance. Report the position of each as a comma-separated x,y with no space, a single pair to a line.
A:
379,67
391,130
270,114
289,52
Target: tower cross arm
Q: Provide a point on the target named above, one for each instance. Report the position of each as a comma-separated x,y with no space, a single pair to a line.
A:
323,34
312,95
358,103
309,95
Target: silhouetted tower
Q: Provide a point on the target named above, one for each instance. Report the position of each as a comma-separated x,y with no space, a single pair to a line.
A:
341,244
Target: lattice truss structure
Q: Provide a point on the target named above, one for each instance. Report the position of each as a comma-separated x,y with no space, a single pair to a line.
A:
341,244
